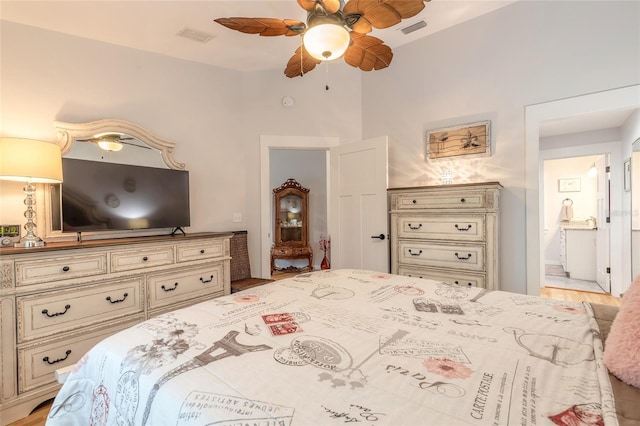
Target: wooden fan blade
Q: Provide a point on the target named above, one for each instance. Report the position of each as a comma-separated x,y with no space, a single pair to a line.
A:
367,53
331,6
382,13
362,26
266,27
300,64
134,144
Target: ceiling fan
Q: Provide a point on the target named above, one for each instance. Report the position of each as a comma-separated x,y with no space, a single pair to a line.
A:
112,141
334,29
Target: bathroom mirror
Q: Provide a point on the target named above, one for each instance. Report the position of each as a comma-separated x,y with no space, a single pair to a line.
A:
109,140
635,209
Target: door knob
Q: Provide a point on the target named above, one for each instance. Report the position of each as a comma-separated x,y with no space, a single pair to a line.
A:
380,237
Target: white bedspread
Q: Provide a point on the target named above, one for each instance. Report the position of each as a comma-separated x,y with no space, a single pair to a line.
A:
348,347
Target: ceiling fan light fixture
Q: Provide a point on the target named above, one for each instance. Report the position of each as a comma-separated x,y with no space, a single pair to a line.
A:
326,42
108,145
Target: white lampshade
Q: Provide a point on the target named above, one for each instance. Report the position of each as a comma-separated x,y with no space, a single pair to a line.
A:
326,42
28,160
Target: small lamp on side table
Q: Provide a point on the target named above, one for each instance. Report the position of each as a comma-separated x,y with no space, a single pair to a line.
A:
30,161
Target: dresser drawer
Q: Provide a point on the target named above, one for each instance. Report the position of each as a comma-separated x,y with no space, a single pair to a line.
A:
179,285
451,277
57,268
201,250
440,200
55,312
37,363
458,256
147,257
461,228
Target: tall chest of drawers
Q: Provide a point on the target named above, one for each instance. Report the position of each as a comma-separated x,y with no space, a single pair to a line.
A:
446,233
56,302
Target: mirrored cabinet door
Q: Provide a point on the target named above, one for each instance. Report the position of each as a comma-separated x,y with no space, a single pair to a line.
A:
290,219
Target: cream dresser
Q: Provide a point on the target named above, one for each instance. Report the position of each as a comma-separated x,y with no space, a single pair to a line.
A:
446,233
57,301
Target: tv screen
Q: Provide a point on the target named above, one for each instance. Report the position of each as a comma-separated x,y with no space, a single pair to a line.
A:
99,196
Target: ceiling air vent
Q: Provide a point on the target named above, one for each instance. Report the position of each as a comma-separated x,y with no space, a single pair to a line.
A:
414,27
195,35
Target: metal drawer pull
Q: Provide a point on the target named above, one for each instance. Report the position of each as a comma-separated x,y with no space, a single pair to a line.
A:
462,200
203,281
414,228
202,251
117,300
65,269
463,258
418,253
457,283
414,201
169,289
46,312
46,358
144,259
463,229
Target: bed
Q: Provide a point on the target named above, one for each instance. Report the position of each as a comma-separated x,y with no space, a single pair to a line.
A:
349,346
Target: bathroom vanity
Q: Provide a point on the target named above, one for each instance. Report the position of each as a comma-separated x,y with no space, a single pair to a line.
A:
578,251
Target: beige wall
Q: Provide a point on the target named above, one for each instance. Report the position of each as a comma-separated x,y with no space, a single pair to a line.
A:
491,68
215,116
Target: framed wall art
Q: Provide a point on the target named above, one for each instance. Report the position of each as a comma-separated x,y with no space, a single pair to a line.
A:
569,185
467,140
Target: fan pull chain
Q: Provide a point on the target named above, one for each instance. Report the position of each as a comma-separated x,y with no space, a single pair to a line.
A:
301,58
326,87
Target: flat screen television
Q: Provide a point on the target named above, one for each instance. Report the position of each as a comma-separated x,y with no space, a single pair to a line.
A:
99,196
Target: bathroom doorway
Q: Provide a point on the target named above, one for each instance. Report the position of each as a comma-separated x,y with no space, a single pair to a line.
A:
576,222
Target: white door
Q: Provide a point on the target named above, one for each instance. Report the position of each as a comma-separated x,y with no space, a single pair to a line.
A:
602,232
358,211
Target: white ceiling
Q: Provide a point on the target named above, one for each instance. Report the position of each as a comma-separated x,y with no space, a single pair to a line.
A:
153,26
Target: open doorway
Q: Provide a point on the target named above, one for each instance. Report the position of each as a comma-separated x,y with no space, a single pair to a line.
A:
611,103
357,199
576,218
269,143
308,167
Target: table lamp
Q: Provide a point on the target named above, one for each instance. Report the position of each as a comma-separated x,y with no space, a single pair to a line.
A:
30,161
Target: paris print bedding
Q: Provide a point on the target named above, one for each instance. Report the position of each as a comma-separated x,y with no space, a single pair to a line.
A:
348,347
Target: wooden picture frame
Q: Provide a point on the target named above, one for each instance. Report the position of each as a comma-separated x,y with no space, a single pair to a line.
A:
569,185
464,141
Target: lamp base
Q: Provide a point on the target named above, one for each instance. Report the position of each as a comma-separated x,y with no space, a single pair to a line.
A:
29,244
30,239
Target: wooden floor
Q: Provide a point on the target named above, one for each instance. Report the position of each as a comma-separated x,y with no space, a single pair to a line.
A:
579,296
39,415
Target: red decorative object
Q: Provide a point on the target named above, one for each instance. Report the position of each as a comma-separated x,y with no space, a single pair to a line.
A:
325,243
325,263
